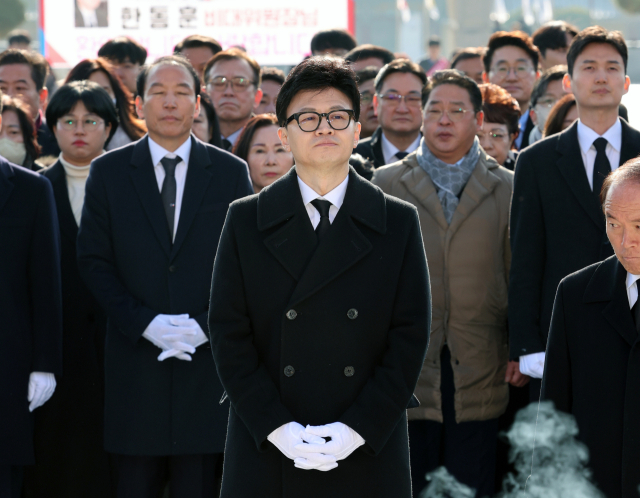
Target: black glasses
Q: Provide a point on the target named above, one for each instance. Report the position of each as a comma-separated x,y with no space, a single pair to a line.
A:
310,121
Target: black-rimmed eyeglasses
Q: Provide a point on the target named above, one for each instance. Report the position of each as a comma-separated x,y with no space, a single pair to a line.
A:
310,121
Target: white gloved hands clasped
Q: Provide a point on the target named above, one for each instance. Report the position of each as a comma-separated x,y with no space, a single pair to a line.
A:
289,436
344,440
177,336
532,365
41,387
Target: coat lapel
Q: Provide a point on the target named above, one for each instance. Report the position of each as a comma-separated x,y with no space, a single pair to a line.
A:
419,184
572,169
198,178
376,147
68,225
144,180
6,183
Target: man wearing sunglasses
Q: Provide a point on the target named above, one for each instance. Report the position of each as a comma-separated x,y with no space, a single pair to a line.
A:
398,104
232,80
320,312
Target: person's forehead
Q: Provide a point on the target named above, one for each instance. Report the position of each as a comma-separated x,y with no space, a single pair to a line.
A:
199,52
474,64
489,126
270,87
449,93
169,74
599,52
266,134
231,67
370,61
366,85
554,88
510,54
319,100
624,197
14,72
9,117
396,81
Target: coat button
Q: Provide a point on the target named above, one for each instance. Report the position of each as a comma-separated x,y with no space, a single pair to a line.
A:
172,269
352,313
289,370
349,371
292,314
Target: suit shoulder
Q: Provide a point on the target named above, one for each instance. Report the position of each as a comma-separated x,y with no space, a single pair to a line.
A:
385,176
399,207
26,176
221,156
545,146
114,159
579,280
244,206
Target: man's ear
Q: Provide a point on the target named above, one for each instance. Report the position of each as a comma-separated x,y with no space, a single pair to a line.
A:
485,77
283,135
534,115
566,83
258,98
139,109
376,102
356,135
627,82
479,120
198,108
43,94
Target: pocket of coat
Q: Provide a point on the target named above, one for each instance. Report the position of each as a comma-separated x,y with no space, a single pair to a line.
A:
224,398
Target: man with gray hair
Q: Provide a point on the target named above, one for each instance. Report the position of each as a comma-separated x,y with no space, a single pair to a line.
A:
592,367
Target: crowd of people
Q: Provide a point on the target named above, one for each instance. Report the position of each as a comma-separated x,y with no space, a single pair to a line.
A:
126,371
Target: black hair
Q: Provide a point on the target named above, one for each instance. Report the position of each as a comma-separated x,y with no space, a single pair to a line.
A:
454,77
272,74
554,73
466,54
553,36
206,106
400,66
518,39
174,60
332,38
93,96
196,41
366,51
596,34
366,74
38,64
123,49
434,41
318,73
19,36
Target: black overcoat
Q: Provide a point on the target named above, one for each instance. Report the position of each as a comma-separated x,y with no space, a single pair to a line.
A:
557,227
319,333
592,370
30,302
127,260
69,429
371,148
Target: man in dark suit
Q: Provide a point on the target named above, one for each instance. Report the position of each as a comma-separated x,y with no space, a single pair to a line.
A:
320,312
398,104
148,236
31,310
557,226
593,360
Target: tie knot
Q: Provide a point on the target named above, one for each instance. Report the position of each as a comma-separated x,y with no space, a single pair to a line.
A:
600,144
169,164
401,155
322,206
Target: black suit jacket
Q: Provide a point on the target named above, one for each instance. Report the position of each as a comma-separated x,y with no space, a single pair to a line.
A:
557,228
319,333
127,260
592,370
30,303
527,131
371,148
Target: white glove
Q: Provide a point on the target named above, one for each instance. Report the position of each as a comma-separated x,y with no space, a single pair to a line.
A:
195,340
162,325
532,365
289,436
344,440
41,387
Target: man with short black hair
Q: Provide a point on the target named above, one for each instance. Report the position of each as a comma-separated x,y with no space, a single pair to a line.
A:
198,49
22,75
332,42
147,240
333,348
19,39
398,102
232,80
367,56
272,79
557,225
553,40
469,62
127,57
368,120
434,62
546,92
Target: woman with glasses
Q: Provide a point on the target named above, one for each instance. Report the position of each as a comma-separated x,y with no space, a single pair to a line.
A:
261,147
71,461
500,127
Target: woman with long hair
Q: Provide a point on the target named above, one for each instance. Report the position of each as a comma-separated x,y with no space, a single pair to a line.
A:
561,116
101,71
18,143
205,126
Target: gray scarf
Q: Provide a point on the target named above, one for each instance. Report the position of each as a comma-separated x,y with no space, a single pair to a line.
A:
449,179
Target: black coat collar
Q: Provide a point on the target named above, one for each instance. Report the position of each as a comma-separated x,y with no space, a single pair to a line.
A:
6,181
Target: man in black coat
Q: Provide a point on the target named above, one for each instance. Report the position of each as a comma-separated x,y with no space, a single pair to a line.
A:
557,226
592,368
320,312
31,310
151,221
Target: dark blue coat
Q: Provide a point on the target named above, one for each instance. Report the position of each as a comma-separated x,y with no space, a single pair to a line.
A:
30,302
127,260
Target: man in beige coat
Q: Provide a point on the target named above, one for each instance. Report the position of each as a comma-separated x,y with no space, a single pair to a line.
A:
463,199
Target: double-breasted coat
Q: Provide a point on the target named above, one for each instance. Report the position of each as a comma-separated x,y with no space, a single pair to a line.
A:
30,302
318,333
128,261
592,370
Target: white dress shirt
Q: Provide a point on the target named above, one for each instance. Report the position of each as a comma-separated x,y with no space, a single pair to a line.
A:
76,177
157,153
586,137
632,288
389,150
335,197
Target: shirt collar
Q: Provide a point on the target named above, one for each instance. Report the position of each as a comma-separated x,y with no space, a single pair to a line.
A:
234,136
390,150
335,197
631,279
586,136
158,152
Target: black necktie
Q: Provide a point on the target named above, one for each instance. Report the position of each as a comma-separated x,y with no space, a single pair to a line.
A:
323,208
227,145
169,189
602,167
401,155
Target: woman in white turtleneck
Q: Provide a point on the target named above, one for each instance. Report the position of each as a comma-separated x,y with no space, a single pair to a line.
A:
69,429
